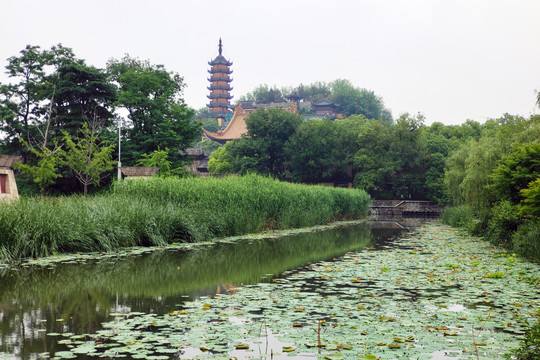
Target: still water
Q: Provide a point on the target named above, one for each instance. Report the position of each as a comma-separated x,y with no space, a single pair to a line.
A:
77,298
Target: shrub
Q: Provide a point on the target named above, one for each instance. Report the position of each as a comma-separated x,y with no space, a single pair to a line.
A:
503,222
529,348
526,240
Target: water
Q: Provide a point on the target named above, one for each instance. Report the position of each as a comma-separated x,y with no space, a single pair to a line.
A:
77,298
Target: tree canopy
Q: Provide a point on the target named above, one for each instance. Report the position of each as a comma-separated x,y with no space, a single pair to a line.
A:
53,97
351,100
262,149
158,116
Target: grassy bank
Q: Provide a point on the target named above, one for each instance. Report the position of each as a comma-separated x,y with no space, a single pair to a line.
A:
160,211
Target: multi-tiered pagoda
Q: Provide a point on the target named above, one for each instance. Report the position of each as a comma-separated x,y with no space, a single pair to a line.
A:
220,86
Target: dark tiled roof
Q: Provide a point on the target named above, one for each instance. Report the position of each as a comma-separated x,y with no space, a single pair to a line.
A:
324,102
220,60
9,160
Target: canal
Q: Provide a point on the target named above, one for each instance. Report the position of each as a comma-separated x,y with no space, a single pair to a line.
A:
181,302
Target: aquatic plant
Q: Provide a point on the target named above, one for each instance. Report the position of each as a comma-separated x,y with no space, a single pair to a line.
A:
159,211
346,308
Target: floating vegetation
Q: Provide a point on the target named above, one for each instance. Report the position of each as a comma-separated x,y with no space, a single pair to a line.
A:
418,308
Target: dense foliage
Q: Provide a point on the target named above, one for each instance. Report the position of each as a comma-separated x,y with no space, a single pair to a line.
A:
496,179
162,210
401,160
350,100
53,96
158,117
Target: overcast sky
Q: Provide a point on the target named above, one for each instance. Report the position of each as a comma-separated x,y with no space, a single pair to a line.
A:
451,60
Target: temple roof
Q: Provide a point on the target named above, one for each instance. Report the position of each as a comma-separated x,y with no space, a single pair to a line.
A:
220,60
234,130
237,127
324,102
216,78
214,70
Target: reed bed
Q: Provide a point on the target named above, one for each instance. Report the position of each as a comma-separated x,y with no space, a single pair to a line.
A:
159,211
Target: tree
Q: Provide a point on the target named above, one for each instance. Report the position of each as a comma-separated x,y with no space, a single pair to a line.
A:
160,158
88,157
389,162
262,149
437,148
159,117
221,161
313,92
24,103
515,172
83,95
321,149
531,199
313,151
374,161
45,171
455,172
469,180
263,94
352,100
207,145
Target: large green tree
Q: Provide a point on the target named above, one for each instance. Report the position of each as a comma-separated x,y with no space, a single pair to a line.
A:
321,149
83,95
374,161
389,162
313,151
159,118
469,168
25,99
262,149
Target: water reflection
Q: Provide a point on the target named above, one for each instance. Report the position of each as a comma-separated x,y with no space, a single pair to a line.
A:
77,298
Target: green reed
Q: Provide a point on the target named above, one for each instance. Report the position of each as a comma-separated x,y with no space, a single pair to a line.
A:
158,211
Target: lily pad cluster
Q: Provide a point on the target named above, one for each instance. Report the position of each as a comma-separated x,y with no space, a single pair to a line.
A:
436,293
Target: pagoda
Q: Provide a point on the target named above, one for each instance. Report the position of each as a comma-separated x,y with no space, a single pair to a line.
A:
220,86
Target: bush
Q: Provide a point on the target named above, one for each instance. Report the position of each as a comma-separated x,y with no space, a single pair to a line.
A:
503,222
529,348
526,240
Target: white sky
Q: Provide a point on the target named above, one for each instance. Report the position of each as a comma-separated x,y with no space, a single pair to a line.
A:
451,60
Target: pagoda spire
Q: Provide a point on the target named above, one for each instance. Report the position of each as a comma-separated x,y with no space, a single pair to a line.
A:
220,46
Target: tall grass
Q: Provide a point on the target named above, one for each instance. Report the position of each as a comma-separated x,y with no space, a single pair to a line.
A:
159,211
459,216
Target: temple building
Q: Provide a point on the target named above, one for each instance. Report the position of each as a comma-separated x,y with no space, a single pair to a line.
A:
237,126
325,108
220,86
